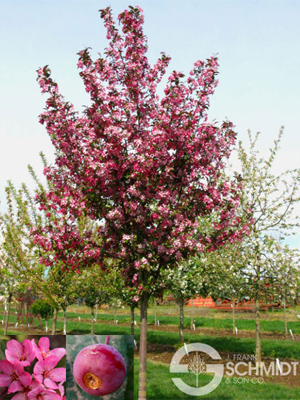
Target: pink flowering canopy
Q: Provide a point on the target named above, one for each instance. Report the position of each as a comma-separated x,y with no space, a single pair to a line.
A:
148,170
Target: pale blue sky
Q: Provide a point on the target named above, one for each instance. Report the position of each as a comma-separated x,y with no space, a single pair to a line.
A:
257,43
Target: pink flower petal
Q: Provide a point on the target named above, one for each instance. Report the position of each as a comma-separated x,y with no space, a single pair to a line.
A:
25,363
58,374
59,352
28,348
44,344
10,356
52,396
39,368
50,384
35,392
34,385
19,396
15,386
6,366
61,389
51,362
4,380
25,378
18,367
14,346
38,378
37,352
31,357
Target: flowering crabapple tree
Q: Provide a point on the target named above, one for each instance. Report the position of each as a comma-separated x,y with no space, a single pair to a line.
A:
145,169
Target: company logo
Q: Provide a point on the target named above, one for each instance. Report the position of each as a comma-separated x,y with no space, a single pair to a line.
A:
197,366
242,369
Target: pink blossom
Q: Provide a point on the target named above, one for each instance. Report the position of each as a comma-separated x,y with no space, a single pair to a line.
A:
23,352
40,393
13,376
45,372
23,393
43,351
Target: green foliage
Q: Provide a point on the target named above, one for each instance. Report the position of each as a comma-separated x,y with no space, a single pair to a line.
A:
43,308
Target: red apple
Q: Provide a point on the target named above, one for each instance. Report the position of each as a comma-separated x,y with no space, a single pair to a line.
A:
99,369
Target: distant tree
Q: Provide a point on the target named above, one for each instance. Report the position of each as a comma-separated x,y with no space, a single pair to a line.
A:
43,308
184,282
272,199
94,287
20,266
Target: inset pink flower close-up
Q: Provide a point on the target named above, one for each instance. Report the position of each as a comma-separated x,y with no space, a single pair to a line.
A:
42,351
22,352
13,376
44,372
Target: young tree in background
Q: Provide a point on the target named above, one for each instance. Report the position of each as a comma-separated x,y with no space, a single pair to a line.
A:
95,288
184,282
20,266
272,199
145,169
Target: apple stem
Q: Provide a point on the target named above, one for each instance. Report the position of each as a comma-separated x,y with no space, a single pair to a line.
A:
107,339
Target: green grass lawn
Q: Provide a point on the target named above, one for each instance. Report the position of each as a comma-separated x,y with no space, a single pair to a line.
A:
161,387
287,349
270,347
276,326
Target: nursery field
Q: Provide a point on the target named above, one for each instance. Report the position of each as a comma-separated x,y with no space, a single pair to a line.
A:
212,327
207,321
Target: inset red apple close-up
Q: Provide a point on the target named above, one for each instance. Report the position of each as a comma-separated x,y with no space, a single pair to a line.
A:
99,369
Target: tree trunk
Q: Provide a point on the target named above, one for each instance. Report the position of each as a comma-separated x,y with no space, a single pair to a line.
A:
92,327
65,321
7,313
181,305
192,313
26,313
132,318
54,322
155,316
285,320
233,315
96,312
257,333
143,346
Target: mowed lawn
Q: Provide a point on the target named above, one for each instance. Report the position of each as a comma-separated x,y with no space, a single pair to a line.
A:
161,387
286,349
225,322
